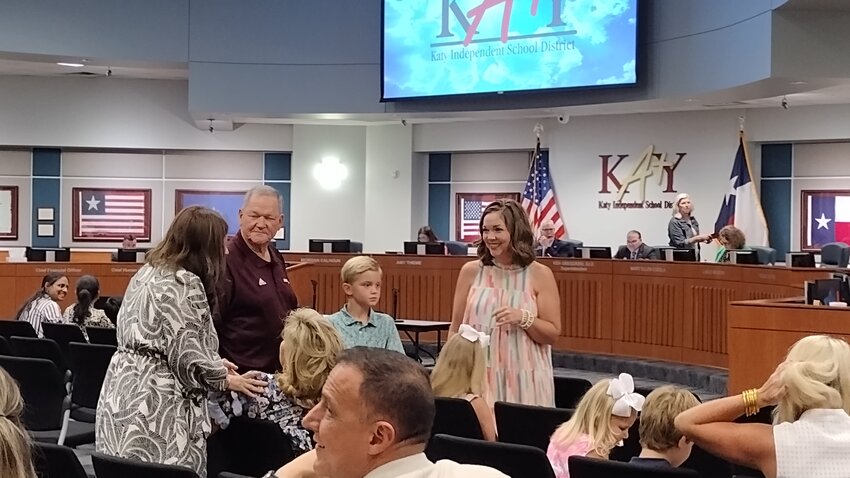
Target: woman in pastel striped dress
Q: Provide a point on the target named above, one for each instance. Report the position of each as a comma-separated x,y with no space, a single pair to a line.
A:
514,299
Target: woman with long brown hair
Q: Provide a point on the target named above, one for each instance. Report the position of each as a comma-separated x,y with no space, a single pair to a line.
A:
514,299
152,405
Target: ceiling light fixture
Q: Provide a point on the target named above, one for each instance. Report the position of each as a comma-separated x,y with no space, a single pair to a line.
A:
72,65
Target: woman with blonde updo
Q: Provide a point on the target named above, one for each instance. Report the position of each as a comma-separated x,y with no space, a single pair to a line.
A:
307,354
15,447
810,435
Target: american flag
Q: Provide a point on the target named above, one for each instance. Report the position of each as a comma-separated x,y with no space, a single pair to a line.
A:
539,198
112,213
470,211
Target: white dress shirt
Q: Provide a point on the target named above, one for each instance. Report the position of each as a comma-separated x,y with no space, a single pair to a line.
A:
419,466
815,446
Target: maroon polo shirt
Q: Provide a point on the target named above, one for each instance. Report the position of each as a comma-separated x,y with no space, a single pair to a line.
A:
254,298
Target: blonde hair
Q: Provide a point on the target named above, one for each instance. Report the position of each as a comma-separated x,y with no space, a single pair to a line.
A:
459,369
656,417
15,444
308,352
816,376
679,198
356,266
593,418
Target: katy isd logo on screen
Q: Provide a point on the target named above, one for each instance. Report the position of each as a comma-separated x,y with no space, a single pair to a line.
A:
451,47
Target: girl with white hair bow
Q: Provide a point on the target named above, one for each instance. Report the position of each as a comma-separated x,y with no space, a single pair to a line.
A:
459,373
601,421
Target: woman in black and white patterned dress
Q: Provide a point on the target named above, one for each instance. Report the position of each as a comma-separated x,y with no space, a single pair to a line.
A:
152,405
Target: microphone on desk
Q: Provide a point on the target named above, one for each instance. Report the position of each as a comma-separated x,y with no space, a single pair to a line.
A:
395,303
315,285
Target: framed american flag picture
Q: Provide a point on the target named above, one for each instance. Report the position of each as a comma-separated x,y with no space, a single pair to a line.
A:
107,215
468,213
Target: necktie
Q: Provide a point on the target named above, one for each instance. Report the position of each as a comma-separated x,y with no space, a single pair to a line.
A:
634,255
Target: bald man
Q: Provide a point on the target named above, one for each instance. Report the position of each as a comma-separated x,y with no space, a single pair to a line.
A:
547,245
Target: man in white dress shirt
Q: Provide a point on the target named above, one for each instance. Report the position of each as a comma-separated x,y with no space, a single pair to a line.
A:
374,421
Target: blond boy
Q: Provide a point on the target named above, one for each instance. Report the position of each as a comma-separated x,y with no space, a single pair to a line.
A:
662,445
357,322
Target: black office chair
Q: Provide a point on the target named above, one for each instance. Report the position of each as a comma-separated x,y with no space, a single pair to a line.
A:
765,255
836,254
456,417
41,348
584,467
248,446
457,248
527,424
511,459
16,328
106,466
47,409
5,347
102,335
90,364
56,461
569,390
63,334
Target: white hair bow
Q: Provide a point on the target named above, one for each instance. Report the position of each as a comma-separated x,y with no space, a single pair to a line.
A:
472,335
622,390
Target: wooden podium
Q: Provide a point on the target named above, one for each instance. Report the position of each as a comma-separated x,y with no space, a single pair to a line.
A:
762,331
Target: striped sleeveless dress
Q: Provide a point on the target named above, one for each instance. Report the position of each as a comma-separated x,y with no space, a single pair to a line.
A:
519,370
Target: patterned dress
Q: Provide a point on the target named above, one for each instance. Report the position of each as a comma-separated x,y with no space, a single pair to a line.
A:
272,405
519,370
152,405
94,318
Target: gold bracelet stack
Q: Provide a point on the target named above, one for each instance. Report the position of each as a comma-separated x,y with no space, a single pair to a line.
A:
527,319
751,399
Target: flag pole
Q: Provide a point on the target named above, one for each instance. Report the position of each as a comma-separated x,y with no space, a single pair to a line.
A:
535,160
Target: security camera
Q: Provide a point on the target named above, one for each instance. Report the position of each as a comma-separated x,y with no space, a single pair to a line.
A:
108,72
784,103
404,122
563,119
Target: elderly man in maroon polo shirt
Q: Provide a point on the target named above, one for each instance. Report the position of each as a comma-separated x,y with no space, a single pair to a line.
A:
254,296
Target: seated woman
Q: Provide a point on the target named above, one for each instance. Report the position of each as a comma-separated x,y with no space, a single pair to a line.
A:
307,355
15,445
730,238
459,373
426,234
601,421
42,306
83,313
810,435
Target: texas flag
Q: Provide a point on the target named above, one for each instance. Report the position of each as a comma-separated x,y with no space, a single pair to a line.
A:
829,219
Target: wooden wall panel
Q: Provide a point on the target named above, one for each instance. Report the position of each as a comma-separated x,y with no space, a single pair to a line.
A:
652,309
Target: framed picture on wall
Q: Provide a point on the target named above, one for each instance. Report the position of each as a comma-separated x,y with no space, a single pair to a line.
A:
825,218
8,213
107,215
468,213
227,203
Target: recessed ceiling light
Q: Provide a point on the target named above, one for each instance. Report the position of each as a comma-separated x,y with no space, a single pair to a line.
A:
797,83
73,65
689,99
